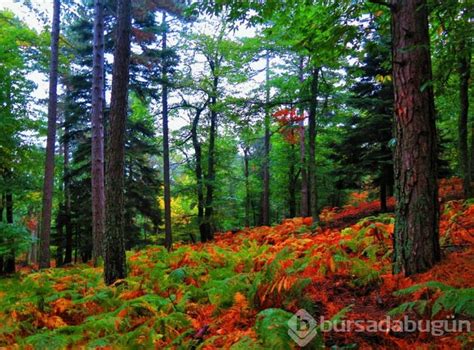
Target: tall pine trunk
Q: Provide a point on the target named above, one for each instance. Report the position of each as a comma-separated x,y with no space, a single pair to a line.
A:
97,165
248,203
9,261
207,227
464,69
67,196
313,192
166,146
198,166
304,211
292,179
48,185
266,159
416,238
2,206
114,252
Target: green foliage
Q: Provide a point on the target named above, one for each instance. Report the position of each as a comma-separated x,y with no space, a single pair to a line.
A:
272,329
14,237
457,300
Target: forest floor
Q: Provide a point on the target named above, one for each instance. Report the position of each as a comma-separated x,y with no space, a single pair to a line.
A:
240,290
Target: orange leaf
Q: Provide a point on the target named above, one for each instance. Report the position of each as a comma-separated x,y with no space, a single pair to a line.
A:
60,305
332,264
131,295
53,322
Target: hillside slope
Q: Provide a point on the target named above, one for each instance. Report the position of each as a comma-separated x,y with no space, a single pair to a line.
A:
240,291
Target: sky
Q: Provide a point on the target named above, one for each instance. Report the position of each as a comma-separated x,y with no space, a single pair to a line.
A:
41,80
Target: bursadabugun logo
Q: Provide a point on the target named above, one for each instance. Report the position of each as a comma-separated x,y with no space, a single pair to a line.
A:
302,327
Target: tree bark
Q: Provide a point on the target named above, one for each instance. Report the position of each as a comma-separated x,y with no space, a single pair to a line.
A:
9,261
266,159
206,228
247,186
304,212
114,252
416,237
2,201
464,70
313,192
97,164
166,146
45,233
67,197
198,166
383,194
292,178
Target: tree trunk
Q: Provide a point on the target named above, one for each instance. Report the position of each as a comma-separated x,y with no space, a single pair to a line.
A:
166,147
45,233
206,228
266,159
416,238
67,198
304,212
464,69
247,186
198,167
383,194
97,160
313,193
2,201
292,178
114,252
9,261
304,174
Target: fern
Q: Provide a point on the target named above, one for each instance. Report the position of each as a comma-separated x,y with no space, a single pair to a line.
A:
459,301
272,329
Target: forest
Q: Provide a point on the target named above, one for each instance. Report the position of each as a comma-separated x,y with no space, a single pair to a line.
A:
218,174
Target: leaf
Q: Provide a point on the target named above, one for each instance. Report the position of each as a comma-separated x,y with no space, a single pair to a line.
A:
131,294
272,328
53,322
332,264
60,305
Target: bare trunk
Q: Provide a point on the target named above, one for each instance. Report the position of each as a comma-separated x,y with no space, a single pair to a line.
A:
292,184
97,164
464,76
313,193
304,212
416,238
2,201
198,167
304,174
383,195
207,227
67,198
45,232
266,159
247,186
9,261
114,252
166,148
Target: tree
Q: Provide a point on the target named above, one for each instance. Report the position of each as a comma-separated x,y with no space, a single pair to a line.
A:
464,71
166,146
416,237
114,252
266,156
45,232
97,160
364,149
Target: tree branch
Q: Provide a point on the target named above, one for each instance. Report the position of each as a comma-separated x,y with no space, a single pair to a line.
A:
383,3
